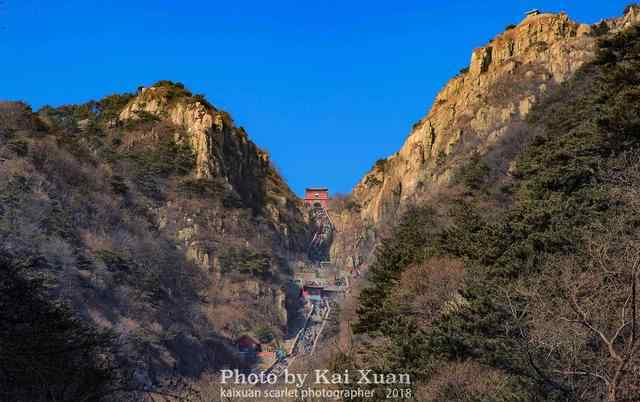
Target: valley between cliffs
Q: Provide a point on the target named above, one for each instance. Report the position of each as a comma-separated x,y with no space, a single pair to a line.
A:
151,225
155,218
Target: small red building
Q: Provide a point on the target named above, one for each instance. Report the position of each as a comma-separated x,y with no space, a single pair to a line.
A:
317,196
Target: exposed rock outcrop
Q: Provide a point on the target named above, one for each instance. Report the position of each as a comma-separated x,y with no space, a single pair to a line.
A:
156,218
205,127
224,152
224,155
480,107
503,80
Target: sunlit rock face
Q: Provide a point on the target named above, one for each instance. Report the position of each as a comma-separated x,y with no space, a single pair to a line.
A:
224,152
481,106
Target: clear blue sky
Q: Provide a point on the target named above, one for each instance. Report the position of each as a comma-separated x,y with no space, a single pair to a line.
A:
336,84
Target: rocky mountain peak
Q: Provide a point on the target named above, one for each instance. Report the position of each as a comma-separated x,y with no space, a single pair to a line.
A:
525,40
480,111
203,123
221,150
477,107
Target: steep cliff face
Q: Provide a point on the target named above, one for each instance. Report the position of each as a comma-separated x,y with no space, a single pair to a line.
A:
223,151
218,237
498,264
153,216
503,79
480,109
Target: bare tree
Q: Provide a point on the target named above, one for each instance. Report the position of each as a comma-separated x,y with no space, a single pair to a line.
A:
579,323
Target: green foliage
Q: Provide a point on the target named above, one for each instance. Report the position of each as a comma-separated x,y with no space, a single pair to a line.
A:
380,164
464,70
203,188
510,27
562,185
98,113
372,181
109,107
178,86
173,90
352,205
47,353
199,98
473,174
176,91
631,6
88,182
113,261
245,260
66,117
203,100
119,185
264,334
211,189
409,243
121,267
231,199
142,118
19,145
169,157
600,29
162,160
58,222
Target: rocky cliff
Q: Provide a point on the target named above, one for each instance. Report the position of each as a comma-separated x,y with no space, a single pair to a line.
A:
506,267
224,155
155,217
480,110
223,152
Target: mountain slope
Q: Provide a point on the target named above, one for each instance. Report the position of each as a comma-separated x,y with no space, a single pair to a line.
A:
155,217
518,287
479,112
